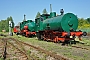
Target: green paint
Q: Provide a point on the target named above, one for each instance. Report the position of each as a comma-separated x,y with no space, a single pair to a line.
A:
64,22
31,25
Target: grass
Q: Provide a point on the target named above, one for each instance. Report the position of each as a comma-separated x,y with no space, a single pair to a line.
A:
57,48
1,58
86,41
3,32
73,53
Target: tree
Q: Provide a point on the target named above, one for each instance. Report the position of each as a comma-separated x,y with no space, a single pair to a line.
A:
44,11
88,19
83,23
38,15
4,24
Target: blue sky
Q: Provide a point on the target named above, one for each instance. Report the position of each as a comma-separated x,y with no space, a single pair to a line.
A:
17,8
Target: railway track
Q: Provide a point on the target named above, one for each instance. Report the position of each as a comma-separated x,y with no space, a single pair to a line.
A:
80,47
76,46
1,48
19,46
57,57
11,54
12,50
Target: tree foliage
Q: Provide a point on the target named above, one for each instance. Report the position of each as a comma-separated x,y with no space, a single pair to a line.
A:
88,19
83,23
4,24
44,11
38,15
